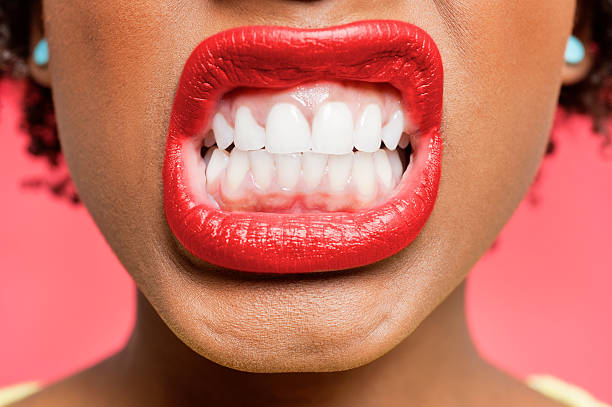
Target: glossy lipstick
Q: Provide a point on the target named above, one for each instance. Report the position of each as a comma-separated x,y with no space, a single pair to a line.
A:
392,52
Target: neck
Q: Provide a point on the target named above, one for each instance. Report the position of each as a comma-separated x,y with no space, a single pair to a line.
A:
438,355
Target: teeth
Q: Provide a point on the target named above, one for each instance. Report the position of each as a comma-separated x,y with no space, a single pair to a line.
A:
392,132
216,165
262,168
332,129
224,133
396,163
368,129
383,168
364,176
313,168
287,130
237,168
288,170
339,170
249,134
277,157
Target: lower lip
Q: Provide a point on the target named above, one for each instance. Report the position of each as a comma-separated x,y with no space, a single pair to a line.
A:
276,57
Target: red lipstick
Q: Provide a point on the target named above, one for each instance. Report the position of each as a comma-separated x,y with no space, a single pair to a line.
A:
399,54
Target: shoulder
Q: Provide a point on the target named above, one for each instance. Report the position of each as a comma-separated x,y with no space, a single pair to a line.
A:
563,392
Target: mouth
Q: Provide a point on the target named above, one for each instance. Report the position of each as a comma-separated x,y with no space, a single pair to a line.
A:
305,150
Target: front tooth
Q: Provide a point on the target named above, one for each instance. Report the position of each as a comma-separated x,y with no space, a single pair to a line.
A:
262,168
237,168
364,176
383,168
339,169
313,168
224,133
392,132
216,165
396,163
368,129
249,134
287,130
332,129
288,170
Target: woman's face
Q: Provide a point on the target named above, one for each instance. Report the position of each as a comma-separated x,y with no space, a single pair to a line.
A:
115,68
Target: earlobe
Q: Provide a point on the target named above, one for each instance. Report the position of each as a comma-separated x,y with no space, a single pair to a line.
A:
579,58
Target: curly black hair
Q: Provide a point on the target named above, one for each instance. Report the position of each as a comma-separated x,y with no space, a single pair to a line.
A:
592,96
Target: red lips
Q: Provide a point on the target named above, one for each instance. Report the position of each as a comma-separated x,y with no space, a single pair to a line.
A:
276,57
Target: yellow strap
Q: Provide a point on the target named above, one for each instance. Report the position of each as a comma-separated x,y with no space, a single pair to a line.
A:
17,392
563,392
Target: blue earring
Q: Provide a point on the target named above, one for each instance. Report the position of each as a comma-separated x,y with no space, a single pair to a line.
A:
574,52
41,53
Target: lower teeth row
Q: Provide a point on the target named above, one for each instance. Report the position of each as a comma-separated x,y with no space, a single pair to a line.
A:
261,180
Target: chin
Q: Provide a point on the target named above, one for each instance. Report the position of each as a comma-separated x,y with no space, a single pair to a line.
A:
298,323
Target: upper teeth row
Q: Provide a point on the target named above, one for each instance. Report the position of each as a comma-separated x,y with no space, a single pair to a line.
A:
287,130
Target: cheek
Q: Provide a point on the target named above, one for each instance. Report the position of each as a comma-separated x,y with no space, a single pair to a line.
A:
115,66
508,77
502,97
502,78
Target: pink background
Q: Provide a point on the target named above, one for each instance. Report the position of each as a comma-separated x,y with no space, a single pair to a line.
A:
538,303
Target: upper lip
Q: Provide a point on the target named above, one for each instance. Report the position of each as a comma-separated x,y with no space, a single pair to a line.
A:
395,52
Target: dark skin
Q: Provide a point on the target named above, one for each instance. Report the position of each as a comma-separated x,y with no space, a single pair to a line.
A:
436,366
392,333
